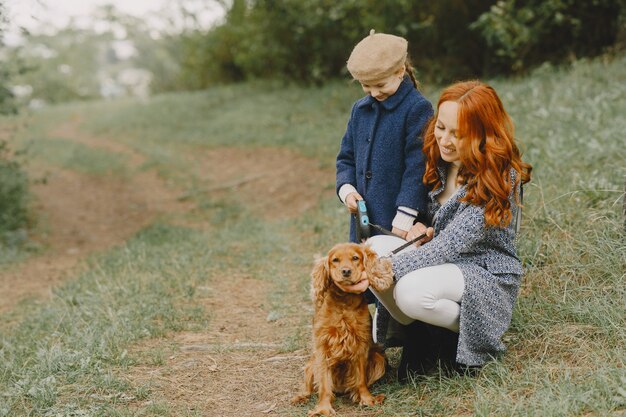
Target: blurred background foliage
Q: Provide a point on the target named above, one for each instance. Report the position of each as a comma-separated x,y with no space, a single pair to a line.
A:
519,35
305,42
6,96
293,41
309,42
14,195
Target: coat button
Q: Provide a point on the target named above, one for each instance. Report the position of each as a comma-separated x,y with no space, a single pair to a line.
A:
368,174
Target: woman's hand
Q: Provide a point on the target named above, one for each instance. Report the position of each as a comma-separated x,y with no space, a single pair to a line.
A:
351,200
357,288
419,229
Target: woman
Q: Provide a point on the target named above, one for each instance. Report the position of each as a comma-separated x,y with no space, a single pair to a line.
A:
465,275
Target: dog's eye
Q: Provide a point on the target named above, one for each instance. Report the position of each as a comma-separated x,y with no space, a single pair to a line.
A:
355,258
335,260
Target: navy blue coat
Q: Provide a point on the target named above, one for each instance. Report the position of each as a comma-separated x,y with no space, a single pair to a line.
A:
381,154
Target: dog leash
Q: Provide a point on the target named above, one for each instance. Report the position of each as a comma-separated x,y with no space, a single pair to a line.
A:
409,243
382,230
363,225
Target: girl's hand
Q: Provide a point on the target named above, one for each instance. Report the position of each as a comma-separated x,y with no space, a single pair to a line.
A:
351,200
419,229
400,232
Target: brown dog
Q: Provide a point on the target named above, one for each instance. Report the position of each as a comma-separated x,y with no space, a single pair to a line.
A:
344,357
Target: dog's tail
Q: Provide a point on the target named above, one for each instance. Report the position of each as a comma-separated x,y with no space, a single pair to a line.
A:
376,364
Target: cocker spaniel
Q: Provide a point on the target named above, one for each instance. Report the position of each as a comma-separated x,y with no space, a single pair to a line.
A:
344,358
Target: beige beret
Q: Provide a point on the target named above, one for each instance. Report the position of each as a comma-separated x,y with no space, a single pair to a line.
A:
377,56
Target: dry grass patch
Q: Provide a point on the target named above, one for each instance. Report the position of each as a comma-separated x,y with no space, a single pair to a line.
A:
238,367
274,183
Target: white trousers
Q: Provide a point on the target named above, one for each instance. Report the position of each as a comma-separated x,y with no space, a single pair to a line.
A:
430,294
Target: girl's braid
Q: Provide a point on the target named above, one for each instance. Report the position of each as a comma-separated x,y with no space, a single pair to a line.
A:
409,70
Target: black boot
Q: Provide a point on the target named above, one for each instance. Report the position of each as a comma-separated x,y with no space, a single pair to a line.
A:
447,345
447,342
419,356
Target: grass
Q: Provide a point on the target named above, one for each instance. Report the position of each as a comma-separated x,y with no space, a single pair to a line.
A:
243,115
77,157
67,348
566,343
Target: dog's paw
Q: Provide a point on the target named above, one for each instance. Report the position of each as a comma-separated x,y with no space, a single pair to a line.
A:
300,399
372,399
322,411
379,399
381,276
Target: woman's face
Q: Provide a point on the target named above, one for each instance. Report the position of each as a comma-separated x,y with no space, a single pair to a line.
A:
383,88
446,131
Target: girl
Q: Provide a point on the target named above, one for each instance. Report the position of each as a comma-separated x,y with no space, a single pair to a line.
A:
380,159
465,279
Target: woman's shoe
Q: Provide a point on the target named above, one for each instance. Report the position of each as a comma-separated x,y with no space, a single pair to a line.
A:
447,342
418,357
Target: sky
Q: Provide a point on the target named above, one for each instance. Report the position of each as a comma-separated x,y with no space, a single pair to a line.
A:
31,14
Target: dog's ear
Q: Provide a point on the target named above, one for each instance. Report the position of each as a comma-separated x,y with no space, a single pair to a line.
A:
320,275
369,256
379,272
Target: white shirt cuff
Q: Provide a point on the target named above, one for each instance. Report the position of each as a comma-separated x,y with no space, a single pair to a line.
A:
344,191
404,221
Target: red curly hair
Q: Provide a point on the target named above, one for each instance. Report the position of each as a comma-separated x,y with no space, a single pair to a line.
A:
487,150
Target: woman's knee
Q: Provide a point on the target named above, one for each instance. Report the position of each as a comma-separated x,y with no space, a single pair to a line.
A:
427,292
413,298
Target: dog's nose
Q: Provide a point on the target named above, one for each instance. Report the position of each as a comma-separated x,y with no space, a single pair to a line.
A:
346,272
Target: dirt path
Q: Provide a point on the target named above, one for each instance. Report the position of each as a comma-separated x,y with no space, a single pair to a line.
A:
277,182
236,368
83,214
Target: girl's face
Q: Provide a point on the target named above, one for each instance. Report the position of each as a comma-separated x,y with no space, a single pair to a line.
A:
446,131
383,88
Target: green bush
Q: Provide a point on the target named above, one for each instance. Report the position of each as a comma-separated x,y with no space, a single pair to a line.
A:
13,180
522,34
13,198
6,96
309,42
7,102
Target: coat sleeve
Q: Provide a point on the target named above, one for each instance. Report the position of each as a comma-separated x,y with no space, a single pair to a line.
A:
413,192
346,163
460,235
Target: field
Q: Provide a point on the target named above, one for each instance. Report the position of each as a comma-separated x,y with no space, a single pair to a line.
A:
169,269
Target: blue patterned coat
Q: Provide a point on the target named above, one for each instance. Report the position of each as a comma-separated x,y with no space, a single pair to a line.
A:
381,153
491,270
